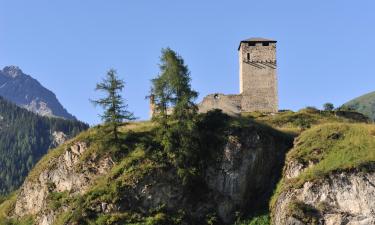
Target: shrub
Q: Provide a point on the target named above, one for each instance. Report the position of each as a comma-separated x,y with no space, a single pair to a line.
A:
328,107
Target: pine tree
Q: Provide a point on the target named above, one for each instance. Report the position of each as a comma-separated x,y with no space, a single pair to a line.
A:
173,94
115,110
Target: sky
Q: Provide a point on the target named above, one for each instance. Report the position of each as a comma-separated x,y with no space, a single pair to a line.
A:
325,49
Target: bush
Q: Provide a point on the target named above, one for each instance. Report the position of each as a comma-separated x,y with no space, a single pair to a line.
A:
258,220
328,107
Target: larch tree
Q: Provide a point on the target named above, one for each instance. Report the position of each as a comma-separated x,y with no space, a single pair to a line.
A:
176,112
114,106
171,89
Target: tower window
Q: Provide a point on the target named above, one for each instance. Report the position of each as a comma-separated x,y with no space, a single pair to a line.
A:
251,43
266,44
248,56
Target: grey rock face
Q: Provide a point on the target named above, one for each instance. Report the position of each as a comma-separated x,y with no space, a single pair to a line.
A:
62,177
58,138
27,92
249,167
340,198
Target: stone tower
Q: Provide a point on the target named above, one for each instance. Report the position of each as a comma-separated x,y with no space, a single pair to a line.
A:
258,78
258,82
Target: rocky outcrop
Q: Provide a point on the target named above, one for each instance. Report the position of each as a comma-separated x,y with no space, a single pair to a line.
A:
65,174
243,177
58,138
248,171
27,92
340,198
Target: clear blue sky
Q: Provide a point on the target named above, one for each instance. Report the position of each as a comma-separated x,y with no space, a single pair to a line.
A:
325,48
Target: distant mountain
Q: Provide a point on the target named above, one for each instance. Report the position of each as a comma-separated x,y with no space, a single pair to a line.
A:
364,104
24,138
28,93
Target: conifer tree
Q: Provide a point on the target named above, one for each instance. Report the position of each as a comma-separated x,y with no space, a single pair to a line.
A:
115,110
173,94
172,89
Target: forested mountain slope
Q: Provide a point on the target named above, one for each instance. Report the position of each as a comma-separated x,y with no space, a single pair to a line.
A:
24,138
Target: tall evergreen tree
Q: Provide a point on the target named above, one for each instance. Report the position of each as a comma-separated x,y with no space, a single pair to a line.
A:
115,110
161,99
173,94
172,89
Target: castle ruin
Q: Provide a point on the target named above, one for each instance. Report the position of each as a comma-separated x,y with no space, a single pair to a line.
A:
258,81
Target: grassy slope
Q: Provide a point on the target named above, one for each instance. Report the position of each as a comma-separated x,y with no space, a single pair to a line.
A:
296,122
304,124
364,104
133,134
5,208
332,147
136,162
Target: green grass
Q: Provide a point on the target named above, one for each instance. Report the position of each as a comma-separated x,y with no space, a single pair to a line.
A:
6,208
306,213
131,165
336,145
364,104
258,220
297,122
56,200
97,144
331,148
139,162
110,189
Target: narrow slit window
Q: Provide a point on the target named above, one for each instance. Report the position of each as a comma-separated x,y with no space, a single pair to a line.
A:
248,56
266,44
251,44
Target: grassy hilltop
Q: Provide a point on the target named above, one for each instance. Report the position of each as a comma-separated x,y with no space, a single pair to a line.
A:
364,104
343,143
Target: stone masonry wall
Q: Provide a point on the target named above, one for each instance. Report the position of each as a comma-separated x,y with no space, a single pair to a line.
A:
258,79
229,104
258,83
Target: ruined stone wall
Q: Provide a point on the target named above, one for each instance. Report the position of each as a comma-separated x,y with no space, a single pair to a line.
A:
258,78
258,83
229,104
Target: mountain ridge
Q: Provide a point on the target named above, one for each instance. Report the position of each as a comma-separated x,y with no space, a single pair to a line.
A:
29,93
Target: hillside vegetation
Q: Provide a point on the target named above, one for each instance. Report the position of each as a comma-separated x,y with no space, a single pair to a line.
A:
330,148
364,104
297,122
141,169
328,172
24,138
